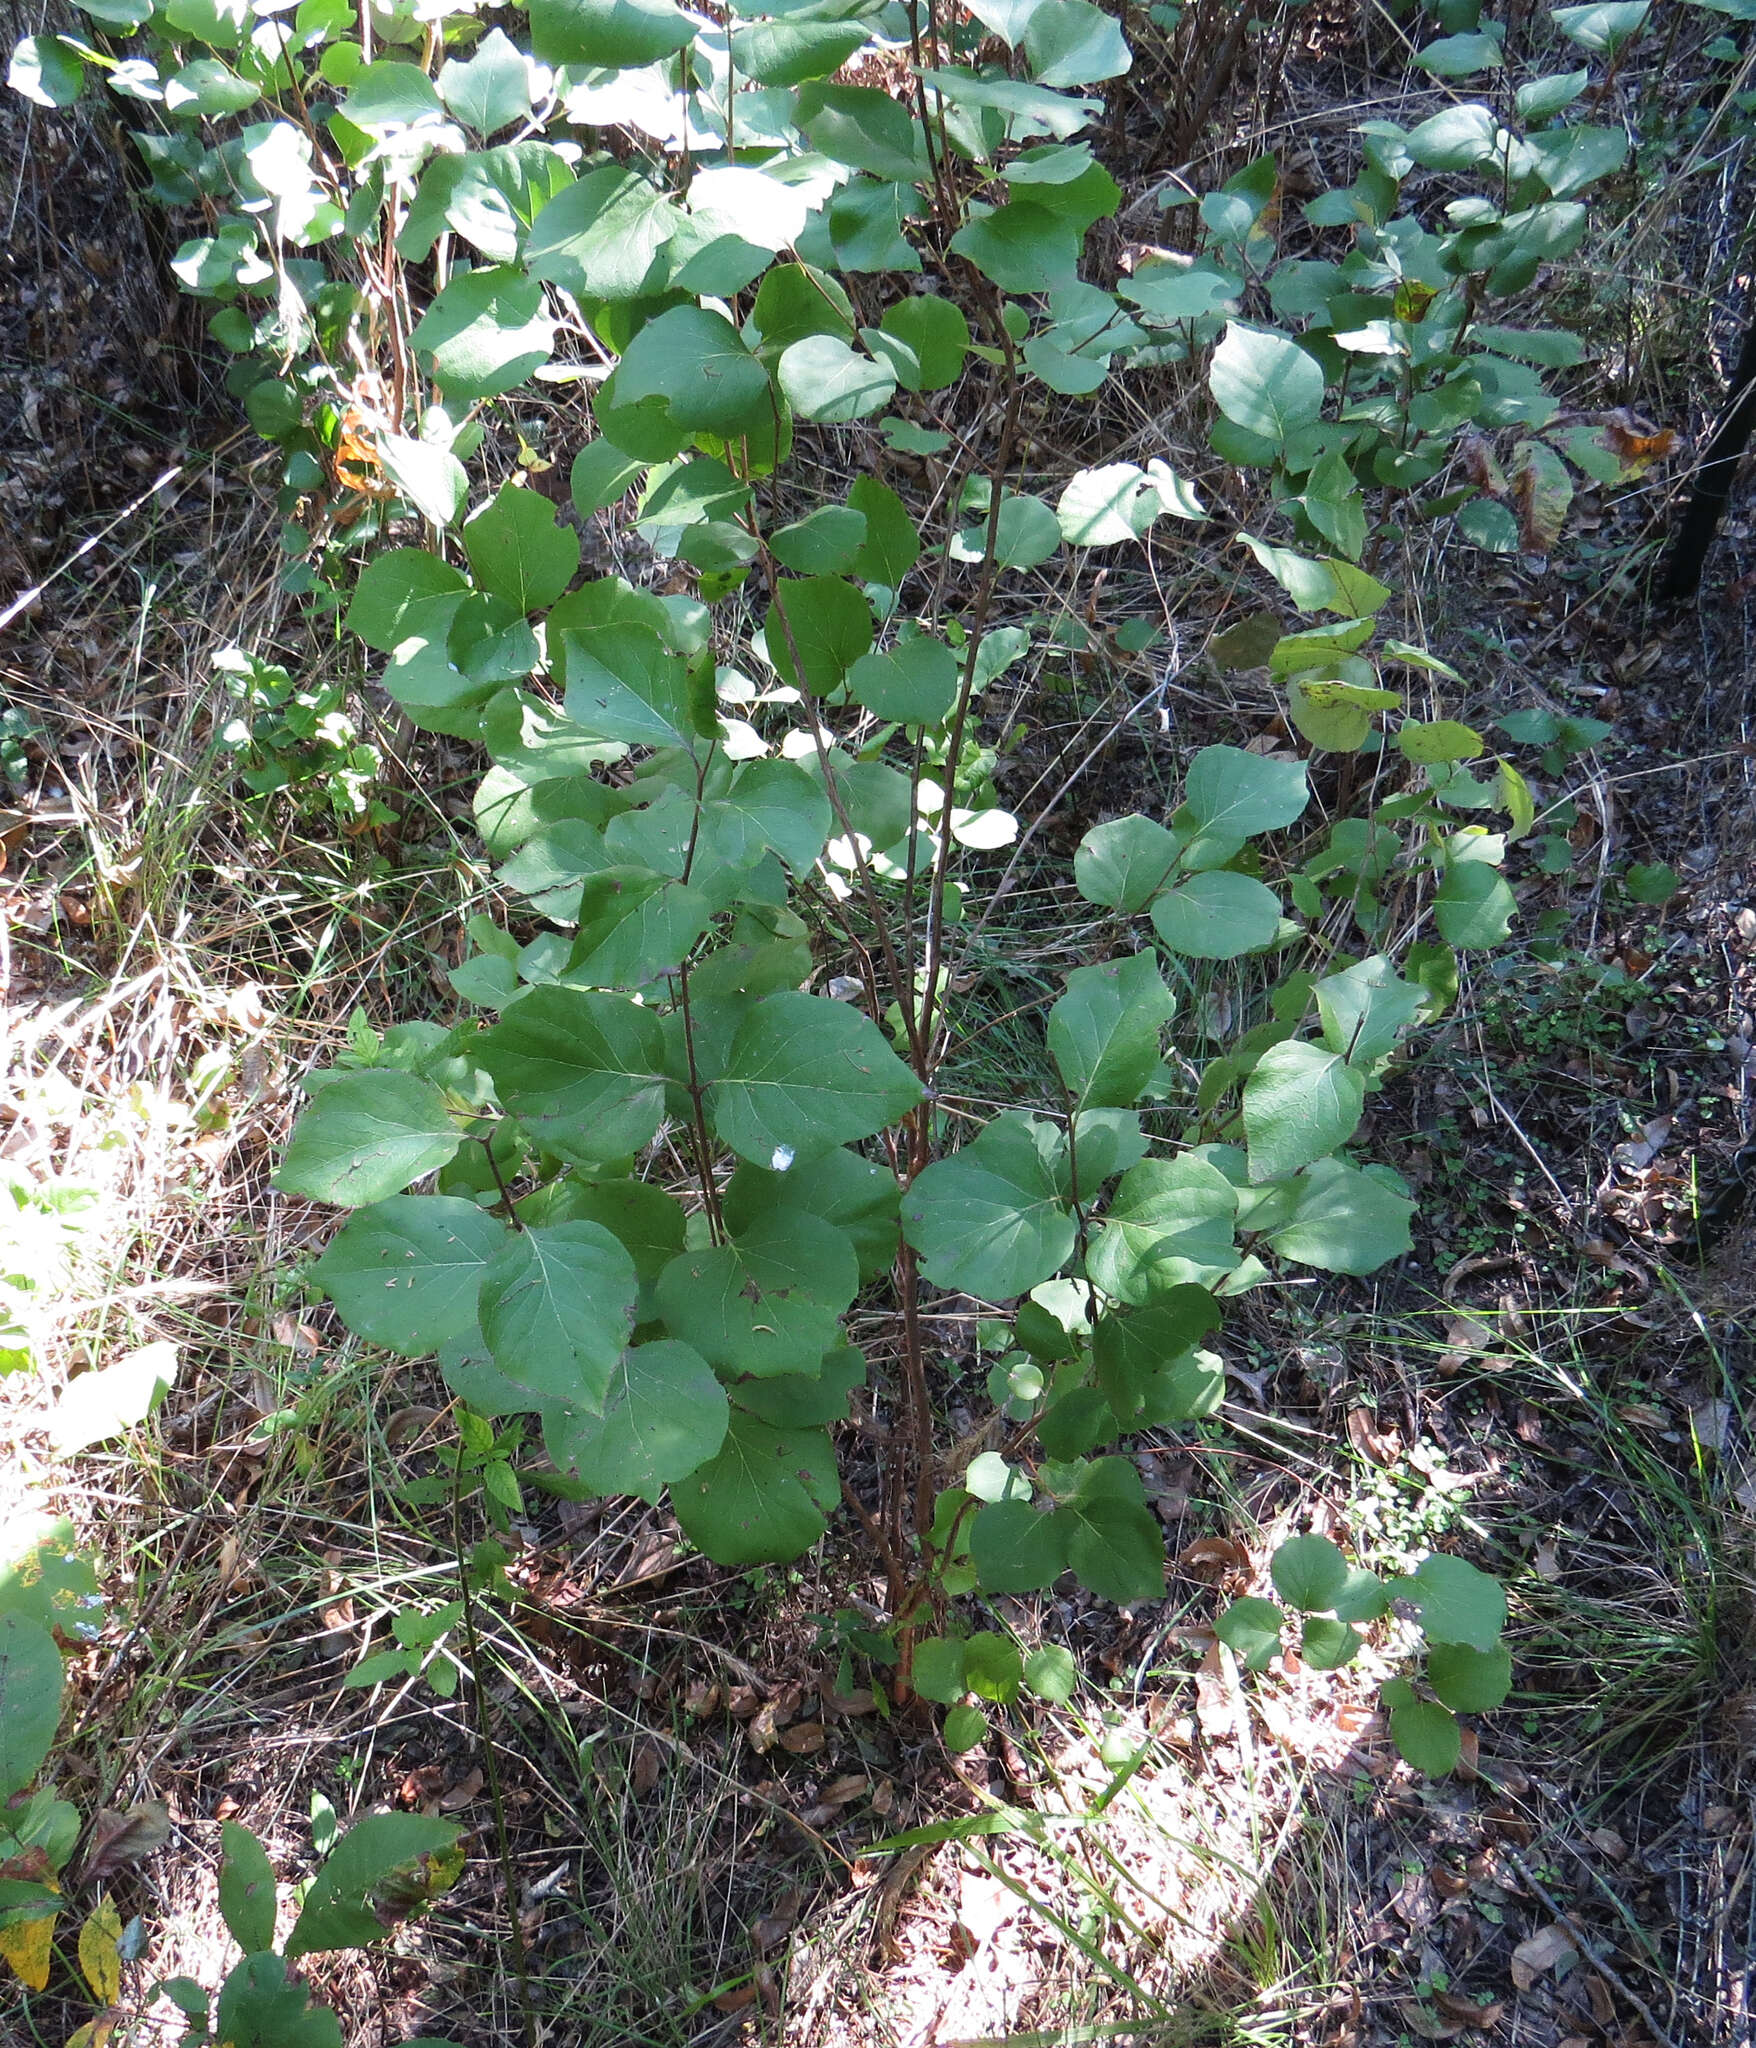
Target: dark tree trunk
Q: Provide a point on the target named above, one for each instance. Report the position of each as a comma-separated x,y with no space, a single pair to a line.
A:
1713,481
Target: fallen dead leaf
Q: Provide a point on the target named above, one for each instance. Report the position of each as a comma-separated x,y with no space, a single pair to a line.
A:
119,1839
1423,2021
648,1760
700,1698
1482,2013
1212,1556
1543,1951
1608,1843
805,1738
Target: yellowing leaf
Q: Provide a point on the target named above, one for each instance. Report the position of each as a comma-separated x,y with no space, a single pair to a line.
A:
99,1961
94,2034
25,1945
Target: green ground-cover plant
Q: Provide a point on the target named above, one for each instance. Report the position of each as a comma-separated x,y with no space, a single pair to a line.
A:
664,1162
383,1869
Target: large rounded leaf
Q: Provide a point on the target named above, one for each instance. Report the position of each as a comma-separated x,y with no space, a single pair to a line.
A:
583,1073
406,1273
556,1308
764,1498
1265,382
30,1698
806,1074
365,1136
664,1415
993,1218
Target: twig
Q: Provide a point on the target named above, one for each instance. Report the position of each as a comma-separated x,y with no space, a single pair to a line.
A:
1587,1947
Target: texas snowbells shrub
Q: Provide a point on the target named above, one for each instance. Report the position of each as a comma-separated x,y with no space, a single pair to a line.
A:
692,1112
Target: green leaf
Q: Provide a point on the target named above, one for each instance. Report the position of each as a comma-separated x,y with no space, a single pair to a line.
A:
993,1668
490,90
1072,42
1020,247
790,52
113,1398
1025,534
820,625
556,1309
964,1728
381,1869
583,1073
893,544
857,1195
771,806
260,2008
1461,56
1457,1603
46,70
404,594
1169,1225
387,95
1217,916
405,1274
992,1218
1470,1681
1104,1032
488,197
1250,1628
1232,795
246,1888
938,1669
367,1135
862,126
44,1577
823,379
1300,1102
1015,1549
1474,906
1652,881
601,475
1366,1008
519,551
1345,1220
1051,1674
624,683
485,333
936,332
1309,1573
209,88
1124,864
1363,1598
432,479
806,1074
1324,585
1131,1353
1029,109
1454,139
1427,1736
1114,1545
822,543
694,360
1328,1644
664,1415
915,682
616,35
30,1698
767,1302
1603,26
765,1497
1265,382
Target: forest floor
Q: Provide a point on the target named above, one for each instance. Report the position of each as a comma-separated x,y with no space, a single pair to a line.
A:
659,1756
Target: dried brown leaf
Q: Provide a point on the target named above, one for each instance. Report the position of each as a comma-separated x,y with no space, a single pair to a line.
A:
119,1839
